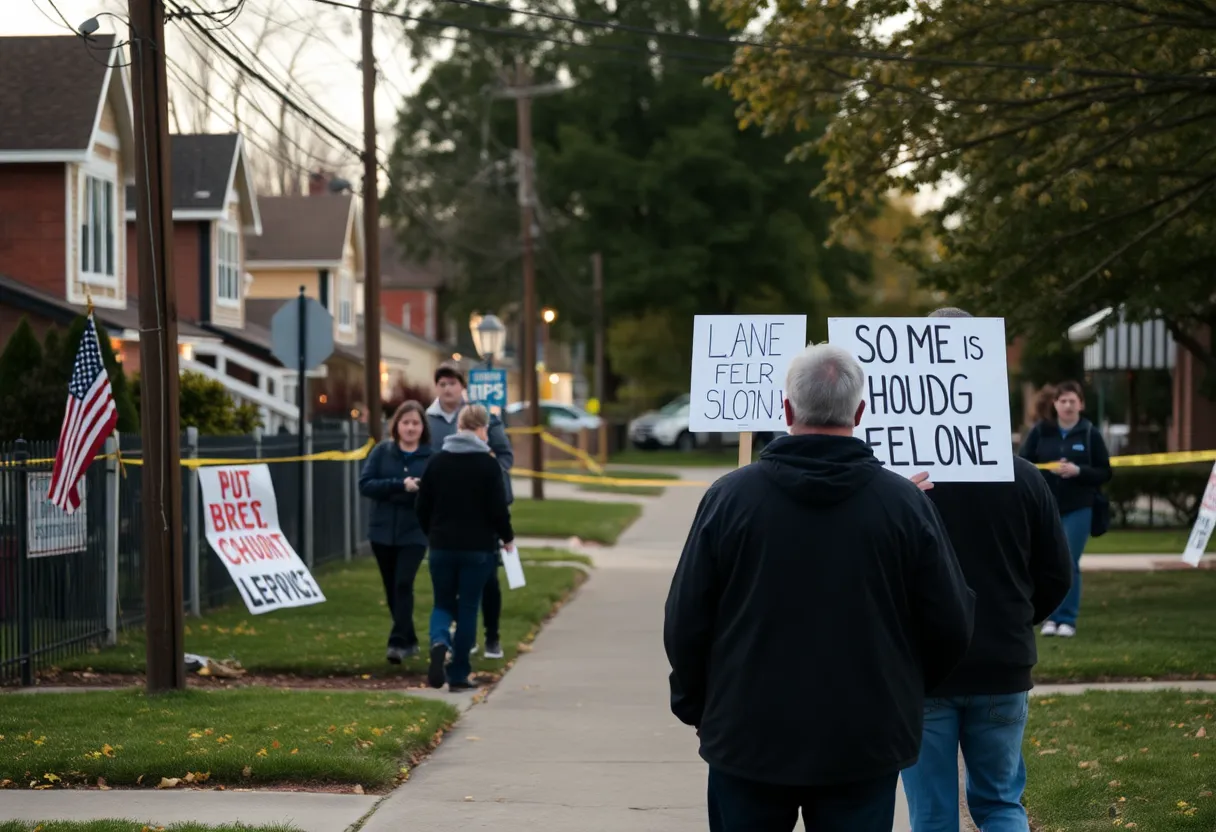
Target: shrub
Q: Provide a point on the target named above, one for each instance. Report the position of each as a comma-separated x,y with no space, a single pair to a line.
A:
1181,486
205,404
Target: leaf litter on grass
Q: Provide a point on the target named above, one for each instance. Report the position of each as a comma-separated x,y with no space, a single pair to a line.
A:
1125,760
251,735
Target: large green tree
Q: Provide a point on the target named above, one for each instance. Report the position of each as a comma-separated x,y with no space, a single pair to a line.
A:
1074,137
637,157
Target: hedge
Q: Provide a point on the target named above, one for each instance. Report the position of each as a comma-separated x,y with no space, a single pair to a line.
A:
1181,486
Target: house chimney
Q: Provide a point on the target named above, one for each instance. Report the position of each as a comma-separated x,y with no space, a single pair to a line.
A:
318,183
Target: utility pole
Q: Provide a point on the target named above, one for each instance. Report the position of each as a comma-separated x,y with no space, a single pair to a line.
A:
161,497
519,87
371,227
523,110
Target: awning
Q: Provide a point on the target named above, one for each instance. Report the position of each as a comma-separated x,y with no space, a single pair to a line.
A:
1121,345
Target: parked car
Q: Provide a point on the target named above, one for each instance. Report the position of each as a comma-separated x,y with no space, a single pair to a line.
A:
667,427
558,416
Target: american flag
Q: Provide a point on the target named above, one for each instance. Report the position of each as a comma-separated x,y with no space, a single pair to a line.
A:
91,416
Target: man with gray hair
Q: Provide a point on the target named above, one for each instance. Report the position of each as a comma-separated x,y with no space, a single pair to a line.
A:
816,600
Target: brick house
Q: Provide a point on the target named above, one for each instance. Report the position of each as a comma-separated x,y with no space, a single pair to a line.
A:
409,293
66,154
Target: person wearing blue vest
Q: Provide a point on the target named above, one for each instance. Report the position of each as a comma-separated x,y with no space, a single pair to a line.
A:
390,479
442,420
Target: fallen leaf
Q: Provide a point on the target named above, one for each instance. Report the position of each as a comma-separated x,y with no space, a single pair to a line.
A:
1047,751
169,783
468,798
358,789
276,744
295,751
247,771
473,739
262,752
139,781
101,784
1201,733
1114,784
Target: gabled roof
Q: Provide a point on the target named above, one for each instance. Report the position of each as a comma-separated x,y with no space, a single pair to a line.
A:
303,231
205,168
396,272
52,92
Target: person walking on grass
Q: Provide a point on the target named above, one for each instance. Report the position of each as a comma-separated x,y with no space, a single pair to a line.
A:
442,415
390,479
1082,467
1010,543
462,507
816,599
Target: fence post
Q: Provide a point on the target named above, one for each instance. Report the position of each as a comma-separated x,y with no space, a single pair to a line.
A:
307,520
112,521
356,518
347,494
192,521
25,613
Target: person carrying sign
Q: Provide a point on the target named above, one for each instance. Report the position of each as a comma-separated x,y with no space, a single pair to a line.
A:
817,551
462,507
390,479
1011,546
442,415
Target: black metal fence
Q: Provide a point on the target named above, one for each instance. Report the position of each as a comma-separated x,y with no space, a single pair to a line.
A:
68,582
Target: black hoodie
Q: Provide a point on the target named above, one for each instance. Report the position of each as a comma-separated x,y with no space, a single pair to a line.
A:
815,602
1082,445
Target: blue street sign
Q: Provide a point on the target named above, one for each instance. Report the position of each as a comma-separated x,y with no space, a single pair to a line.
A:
488,387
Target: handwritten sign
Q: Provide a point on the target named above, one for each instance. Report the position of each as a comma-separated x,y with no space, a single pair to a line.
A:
738,371
936,394
1204,523
242,526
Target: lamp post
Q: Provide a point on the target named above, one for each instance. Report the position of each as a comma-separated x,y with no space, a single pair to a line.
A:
489,334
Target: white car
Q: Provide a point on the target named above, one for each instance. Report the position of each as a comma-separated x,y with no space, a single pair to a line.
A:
558,416
667,427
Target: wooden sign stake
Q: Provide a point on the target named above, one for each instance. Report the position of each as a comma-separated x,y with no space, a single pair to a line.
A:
745,448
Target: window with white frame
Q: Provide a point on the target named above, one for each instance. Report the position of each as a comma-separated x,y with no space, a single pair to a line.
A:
228,267
346,303
405,317
429,325
98,228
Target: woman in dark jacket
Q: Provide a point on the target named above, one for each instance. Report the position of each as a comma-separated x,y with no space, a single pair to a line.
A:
1082,465
390,479
463,509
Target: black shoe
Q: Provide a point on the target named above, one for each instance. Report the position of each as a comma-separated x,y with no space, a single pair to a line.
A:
462,687
493,649
434,673
396,655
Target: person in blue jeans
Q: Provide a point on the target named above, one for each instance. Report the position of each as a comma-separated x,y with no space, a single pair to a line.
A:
1010,544
1082,466
462,507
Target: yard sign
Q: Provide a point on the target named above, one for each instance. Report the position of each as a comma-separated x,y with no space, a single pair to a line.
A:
242,526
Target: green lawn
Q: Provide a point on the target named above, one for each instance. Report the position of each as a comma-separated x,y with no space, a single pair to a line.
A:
634,490
347,634
1142,542
700,458
1143,761
595,521
129,826
1136,625
250,735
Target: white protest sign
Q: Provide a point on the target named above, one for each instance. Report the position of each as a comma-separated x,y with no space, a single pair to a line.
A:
738,371
1204,523
936,394
242,526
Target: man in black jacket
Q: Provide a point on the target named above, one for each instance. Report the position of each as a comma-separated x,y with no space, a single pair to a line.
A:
1011,545
816,599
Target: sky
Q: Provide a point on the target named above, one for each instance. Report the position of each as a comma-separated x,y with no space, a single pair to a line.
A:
327,67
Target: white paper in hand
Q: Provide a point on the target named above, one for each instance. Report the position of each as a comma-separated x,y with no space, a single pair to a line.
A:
514,567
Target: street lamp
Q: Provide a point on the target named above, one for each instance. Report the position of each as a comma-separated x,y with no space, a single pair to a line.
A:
489,335
548,315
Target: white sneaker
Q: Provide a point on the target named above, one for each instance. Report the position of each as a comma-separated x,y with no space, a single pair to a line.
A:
1066,631
1050,628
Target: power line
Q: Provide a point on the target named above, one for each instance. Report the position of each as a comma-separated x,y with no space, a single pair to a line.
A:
813,51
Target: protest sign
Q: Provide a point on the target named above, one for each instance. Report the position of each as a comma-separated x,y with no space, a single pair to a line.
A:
241,519
738,371
1204,523
936,394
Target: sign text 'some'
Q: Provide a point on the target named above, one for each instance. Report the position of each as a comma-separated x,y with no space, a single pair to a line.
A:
242,526
739,364
488,388
936,394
